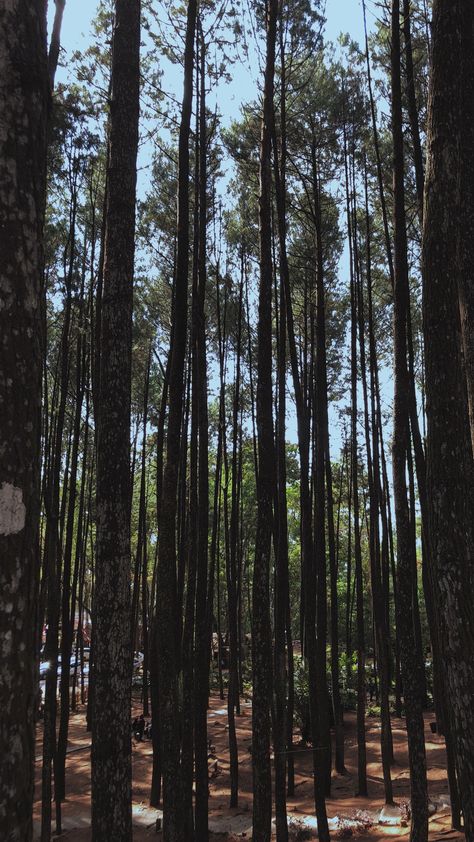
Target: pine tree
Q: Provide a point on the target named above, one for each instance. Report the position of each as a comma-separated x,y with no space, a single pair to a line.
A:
449,452
111,738
24,107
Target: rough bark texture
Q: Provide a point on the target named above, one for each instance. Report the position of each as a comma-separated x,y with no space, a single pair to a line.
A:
261,634
203,611
321,436
111,739
464,19
167,585
406,547
449,454
23,106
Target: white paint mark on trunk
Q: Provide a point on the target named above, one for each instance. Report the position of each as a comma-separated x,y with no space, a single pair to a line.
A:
12,509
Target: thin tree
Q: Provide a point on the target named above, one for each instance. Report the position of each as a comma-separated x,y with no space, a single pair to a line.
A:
261,635
168,599
406,547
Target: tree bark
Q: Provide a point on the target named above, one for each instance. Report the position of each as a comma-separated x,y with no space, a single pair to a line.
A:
401,442
111,739
449,451
167,607
23,105
261,634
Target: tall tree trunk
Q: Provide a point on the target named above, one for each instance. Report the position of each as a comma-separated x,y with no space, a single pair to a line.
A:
66,626
55,509
378,157
373,473
413,108
449,451
111,740
203,593
166,576
401,442
463,129
232,567
261,634
23,105
281,587
354,486
321,422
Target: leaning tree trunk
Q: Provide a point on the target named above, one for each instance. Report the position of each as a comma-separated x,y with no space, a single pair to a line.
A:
449,453
55,43
406,547
111,741
23,106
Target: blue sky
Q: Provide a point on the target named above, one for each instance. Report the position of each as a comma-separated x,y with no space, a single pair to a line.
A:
342,16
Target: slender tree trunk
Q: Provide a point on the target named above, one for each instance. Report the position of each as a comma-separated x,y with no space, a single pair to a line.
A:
232,569
401,443
321,448
166,577
373,471
53,549
203,593
354,484
55,43
413,108
66,626
378,158
261,634
281,599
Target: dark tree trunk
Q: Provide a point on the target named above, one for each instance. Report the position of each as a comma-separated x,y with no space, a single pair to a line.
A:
155,793
203,593
23,105
232,571
401,442
354,485
261,634
449,453
55,43
281,739
143,537
55,509
167,607
321,422
373,472
111,741
378,157
463,130
413,108
67,601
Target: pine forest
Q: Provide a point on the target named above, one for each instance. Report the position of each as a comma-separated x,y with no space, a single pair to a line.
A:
236,420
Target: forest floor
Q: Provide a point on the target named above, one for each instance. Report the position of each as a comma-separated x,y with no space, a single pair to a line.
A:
236,824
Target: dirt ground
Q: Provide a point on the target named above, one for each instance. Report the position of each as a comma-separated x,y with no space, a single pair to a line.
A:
343,802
